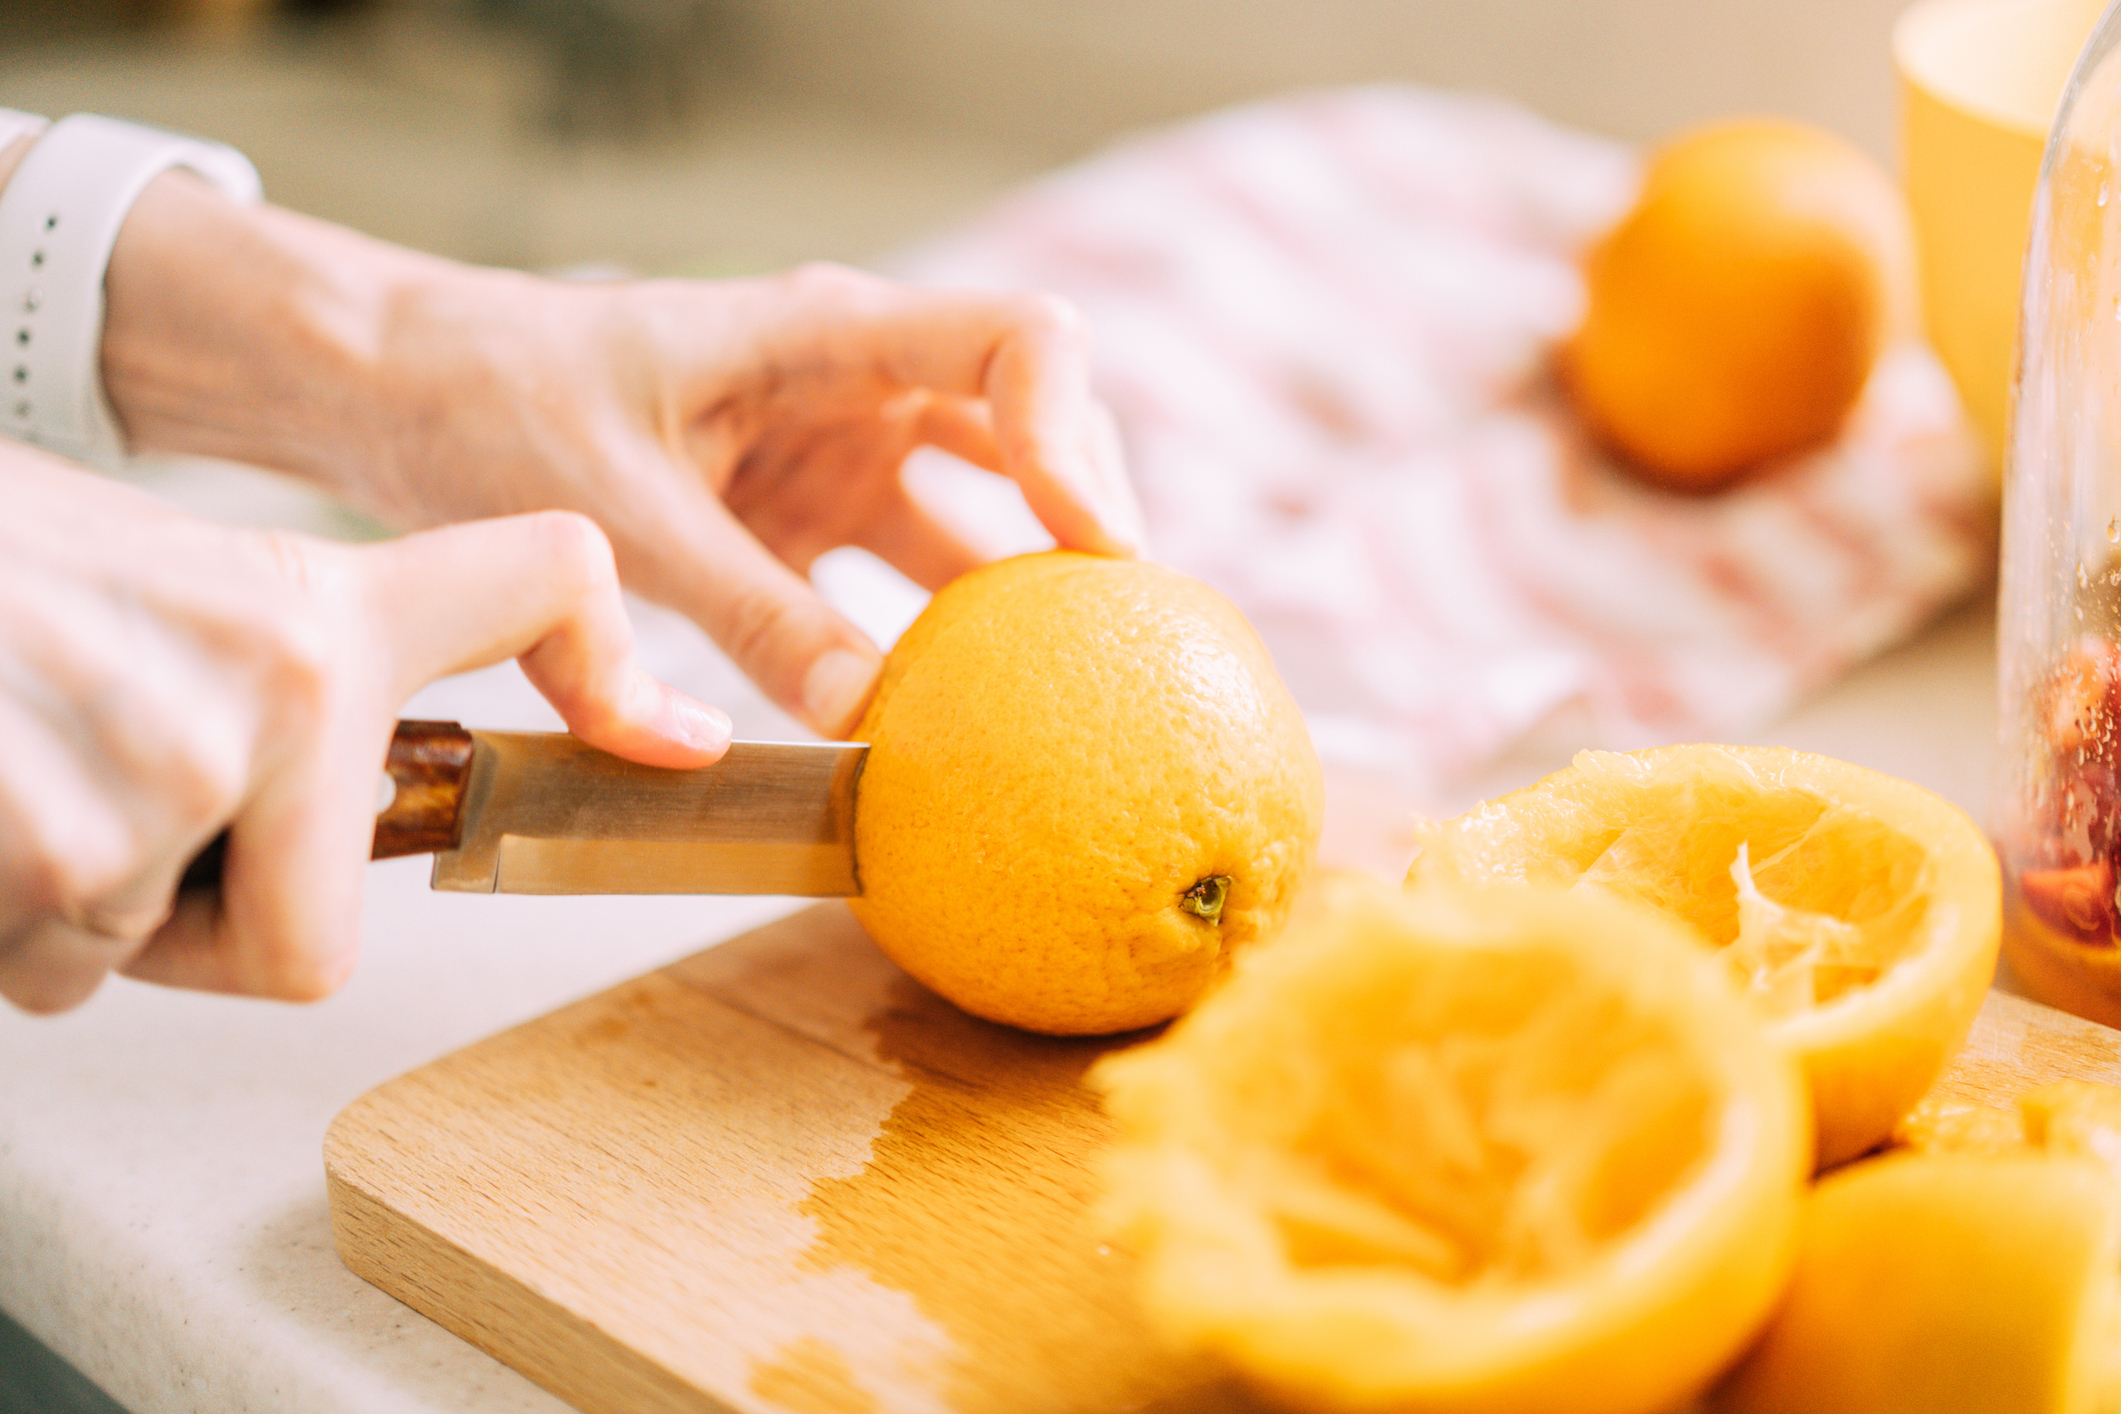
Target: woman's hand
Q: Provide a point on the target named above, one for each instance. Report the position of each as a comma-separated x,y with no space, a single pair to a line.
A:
161,678
724,434
728,434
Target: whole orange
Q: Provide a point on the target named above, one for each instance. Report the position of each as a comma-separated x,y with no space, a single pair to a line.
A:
1086,789
1735,312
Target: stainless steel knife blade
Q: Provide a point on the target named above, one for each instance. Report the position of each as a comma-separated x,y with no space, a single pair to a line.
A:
545,814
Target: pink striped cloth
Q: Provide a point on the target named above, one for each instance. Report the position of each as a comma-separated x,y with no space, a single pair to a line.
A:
1325,325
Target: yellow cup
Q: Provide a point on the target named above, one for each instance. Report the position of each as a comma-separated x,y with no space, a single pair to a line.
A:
1979,82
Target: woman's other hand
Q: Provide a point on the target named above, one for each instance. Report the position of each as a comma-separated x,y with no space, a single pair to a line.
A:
162,678
724,434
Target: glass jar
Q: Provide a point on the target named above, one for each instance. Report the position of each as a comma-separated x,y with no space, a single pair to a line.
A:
2059,636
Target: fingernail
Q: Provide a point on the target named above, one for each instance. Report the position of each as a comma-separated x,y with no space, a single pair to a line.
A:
836,688
708,728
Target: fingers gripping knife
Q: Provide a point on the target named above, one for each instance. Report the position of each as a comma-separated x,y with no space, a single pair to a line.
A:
542,813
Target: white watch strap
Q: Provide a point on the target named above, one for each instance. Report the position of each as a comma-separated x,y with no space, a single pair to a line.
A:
59,217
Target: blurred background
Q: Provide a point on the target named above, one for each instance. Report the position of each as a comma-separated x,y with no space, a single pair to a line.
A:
715,136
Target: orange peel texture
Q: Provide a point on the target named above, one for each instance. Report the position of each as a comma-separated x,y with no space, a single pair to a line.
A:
1086,790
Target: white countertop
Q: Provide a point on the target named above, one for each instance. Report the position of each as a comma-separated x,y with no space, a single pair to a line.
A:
163,1223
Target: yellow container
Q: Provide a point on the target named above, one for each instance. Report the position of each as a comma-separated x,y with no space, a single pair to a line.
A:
1979,81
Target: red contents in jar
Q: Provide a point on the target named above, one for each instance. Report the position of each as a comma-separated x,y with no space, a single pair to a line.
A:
2076,902
2069,881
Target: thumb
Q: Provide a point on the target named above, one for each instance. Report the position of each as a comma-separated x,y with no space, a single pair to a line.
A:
541,588
537,587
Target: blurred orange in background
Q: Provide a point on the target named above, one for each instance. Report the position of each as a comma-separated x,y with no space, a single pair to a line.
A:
1735,312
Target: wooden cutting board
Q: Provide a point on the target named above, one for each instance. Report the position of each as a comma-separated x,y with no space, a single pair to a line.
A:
781,1176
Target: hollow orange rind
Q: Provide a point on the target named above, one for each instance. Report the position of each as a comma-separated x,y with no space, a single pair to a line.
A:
1860,913
1488,1151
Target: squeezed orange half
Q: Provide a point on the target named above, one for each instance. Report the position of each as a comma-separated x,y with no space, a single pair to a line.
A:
1858,913
1485,1152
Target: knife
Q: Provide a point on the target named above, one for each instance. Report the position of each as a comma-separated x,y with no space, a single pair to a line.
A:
543,813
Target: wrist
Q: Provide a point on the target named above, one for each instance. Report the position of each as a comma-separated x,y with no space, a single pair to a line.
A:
251,332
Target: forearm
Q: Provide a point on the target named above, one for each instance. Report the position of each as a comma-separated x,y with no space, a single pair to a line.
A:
251,332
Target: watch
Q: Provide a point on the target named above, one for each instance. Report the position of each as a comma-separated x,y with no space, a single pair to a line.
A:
59,217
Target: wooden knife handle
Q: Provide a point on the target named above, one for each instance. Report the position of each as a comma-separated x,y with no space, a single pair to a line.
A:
429,765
